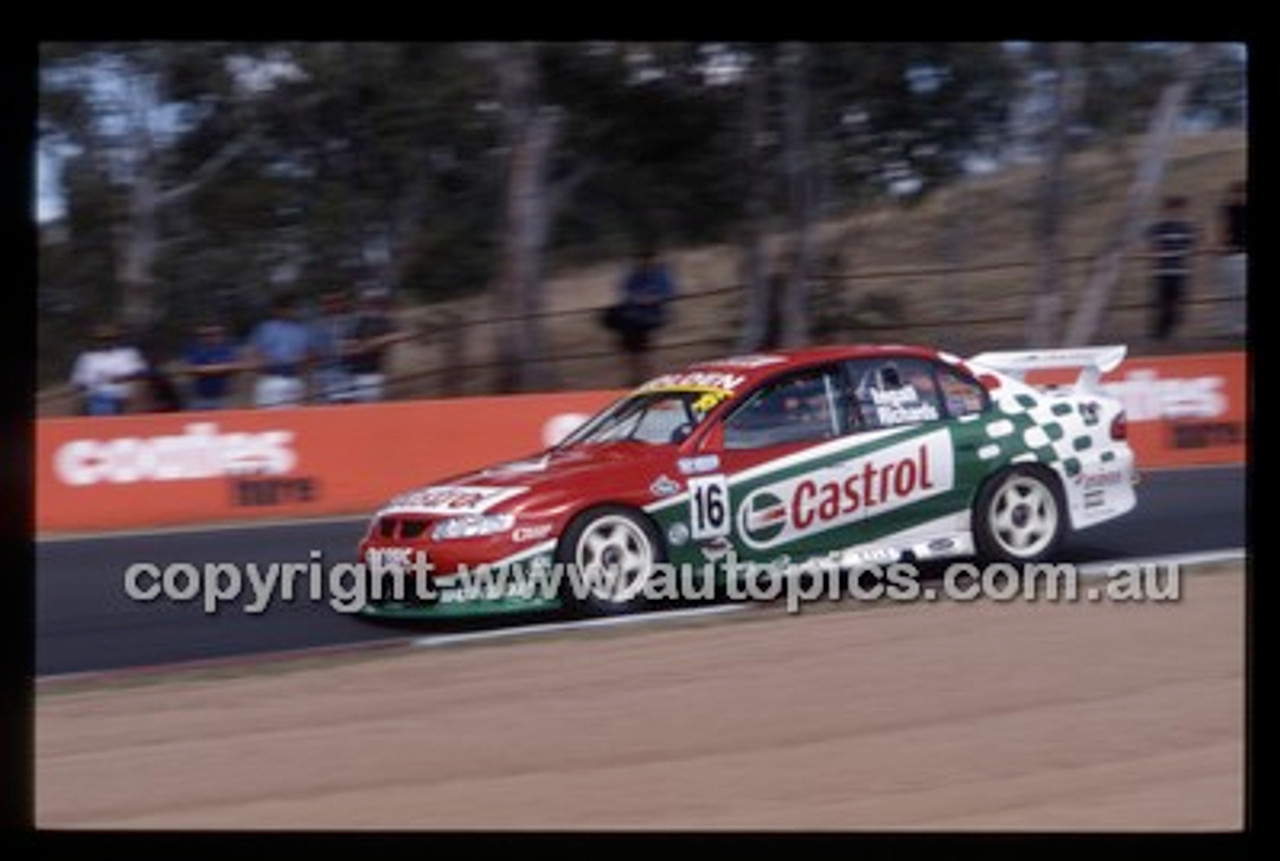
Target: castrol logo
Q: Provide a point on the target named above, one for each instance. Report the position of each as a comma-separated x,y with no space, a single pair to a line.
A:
852,490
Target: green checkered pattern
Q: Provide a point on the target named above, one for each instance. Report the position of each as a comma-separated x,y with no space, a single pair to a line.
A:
1029,428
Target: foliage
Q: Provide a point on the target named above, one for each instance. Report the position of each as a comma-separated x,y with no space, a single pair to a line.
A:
265,167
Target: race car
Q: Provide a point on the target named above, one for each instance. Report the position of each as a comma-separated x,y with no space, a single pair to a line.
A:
871,452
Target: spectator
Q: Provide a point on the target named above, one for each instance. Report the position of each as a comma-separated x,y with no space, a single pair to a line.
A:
280,347
1172,239
105,372
211,362
371,334
1234,265
645,292
331,340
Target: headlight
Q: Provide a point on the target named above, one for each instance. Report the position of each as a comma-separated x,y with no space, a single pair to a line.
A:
472,526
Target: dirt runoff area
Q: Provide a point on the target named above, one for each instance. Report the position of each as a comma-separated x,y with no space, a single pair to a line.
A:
930,716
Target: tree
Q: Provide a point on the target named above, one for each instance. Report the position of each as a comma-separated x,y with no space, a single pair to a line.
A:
798,168
122,107
1105,273
1046,304
754,265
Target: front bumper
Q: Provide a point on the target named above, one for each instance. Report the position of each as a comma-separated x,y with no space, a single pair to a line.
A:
462,578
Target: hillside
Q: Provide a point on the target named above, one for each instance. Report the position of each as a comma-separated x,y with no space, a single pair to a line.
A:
883,277
985,223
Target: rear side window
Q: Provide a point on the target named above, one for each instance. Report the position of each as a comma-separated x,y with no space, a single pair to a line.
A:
892,391
961,395
800,408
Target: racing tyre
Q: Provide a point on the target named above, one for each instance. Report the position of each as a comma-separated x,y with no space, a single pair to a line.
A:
612,550
1019,516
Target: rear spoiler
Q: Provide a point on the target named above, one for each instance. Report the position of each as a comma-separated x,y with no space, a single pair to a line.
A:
1093,362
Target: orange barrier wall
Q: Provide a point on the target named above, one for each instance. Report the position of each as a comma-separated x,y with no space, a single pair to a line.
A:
152,470
1189,410
168,469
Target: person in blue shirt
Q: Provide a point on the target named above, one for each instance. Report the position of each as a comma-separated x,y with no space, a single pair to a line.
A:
646,290
331,342
211,362
281,349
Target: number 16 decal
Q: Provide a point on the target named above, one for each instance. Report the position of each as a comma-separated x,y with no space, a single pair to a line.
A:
708,507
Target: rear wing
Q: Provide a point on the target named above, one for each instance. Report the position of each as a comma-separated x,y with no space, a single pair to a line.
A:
1093,362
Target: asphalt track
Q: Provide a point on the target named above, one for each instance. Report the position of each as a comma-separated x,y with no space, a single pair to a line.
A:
85,622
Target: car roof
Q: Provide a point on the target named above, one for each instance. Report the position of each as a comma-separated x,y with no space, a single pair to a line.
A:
757,366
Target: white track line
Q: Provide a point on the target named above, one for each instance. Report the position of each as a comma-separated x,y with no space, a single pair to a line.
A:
577,625
1229,554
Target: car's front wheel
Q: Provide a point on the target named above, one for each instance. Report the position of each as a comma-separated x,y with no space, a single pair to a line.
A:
612,550
1019,516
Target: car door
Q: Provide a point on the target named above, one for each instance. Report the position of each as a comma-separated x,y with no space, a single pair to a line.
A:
921,423
773,434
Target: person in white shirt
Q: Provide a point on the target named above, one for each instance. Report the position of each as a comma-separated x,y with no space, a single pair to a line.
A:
106,371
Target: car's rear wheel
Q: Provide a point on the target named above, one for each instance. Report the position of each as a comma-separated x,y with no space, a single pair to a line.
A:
612,550
1019,515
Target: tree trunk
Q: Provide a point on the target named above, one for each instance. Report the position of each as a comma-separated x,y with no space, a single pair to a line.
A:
798,157
1155,153
1044,319
531,133
755,322
533,229
137,241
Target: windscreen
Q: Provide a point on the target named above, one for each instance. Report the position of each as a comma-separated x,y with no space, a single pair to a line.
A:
656,418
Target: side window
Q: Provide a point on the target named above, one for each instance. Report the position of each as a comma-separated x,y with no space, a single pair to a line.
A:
961,395
891,391
800,408
661,420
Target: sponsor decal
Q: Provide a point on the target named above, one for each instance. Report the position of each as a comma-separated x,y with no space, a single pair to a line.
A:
715,548
201,451
853,490
941,545
388,558
765,517
269,490
664,486
709,400
696,380
678,534
454,499
870,556
697,465
1100,480
535,532
1191,434
1148,397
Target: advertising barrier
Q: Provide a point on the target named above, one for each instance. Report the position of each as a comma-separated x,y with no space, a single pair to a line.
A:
1189,410
124,472
103,474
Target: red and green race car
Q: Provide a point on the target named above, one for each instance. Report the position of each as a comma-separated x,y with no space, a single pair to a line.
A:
853,453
